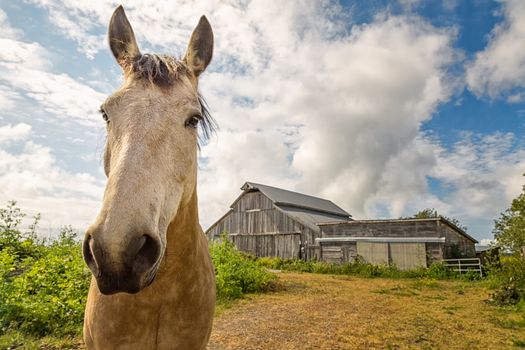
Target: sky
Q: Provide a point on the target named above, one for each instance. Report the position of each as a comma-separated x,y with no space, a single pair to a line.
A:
383,107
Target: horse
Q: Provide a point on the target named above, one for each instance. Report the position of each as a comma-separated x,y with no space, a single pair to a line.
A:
153,283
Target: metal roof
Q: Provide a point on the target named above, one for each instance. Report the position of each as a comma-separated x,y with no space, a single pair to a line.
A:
310,218
373,221
382,239
287,198
483,248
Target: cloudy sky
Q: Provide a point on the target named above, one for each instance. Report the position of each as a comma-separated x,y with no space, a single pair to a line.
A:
384,107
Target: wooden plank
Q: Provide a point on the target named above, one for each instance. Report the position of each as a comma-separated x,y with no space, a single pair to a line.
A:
407,256
373,252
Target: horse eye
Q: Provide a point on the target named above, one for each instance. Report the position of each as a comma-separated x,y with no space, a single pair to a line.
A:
193,121
104,115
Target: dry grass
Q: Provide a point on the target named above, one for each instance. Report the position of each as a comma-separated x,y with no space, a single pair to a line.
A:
337,312
341,312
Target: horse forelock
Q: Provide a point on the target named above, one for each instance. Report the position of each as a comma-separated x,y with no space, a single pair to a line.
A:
161,70
164,71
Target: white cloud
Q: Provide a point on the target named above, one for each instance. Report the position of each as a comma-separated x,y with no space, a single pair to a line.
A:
33,178
485,172
78,21
29,172
304,102
6,31
60,95
26,72
486,241
499,69
409,4
14,132
480,176
357,102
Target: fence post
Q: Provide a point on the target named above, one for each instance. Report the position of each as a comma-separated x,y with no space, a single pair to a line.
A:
480,268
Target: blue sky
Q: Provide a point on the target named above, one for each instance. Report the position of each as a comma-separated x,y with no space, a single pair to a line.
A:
384,107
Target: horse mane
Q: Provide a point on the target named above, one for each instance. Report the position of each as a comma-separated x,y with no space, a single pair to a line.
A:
164,71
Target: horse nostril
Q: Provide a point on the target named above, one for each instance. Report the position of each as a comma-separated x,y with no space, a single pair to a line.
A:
87,252
147,254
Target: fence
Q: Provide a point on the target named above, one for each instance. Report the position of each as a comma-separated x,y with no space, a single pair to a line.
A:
464,265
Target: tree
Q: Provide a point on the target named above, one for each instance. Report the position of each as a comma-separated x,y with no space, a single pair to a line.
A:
432,213
509,229
425,214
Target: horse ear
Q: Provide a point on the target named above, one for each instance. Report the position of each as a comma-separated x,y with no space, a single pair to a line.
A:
200,48
121,38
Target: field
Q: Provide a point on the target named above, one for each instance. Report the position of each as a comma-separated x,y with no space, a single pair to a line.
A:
341,312
316,311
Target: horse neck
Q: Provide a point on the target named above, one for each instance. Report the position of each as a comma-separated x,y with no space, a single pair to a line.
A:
183,238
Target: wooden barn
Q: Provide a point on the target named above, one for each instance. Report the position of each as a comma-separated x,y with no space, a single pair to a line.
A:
269,221
405,243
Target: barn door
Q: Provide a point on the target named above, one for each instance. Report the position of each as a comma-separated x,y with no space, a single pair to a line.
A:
407,256
373,252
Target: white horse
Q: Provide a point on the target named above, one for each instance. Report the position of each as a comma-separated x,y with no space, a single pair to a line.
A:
153,284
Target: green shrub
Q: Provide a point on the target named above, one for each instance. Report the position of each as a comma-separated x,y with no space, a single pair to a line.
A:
359,267
440,271
273,263
237,273
509,281
44,293
44,284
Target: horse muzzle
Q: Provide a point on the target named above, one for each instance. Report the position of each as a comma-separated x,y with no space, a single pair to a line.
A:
126,270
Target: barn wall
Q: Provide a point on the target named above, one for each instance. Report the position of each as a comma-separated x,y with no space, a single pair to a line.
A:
456,245
338,252
382,229
434,252
257,227
285,246
344,252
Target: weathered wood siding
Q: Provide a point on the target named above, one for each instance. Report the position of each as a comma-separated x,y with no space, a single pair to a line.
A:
256,226
404,255
374,253
434,252
407,256
283,245
381,229
337,252
455,245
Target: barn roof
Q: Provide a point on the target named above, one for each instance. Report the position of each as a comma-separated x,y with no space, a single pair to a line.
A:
310,218
289,199
305,209
373,221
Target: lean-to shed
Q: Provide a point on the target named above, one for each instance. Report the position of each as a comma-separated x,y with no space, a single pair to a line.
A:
269,221
405,243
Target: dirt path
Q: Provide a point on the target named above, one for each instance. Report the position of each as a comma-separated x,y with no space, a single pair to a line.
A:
335,312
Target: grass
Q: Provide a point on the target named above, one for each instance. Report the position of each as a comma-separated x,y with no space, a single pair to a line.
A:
346,312
319,311
363,269
20,341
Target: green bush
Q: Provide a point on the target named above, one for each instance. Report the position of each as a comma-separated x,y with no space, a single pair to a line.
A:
44,284
43,292
440,271
509,281
237,273
361,268
273,263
